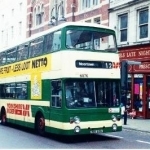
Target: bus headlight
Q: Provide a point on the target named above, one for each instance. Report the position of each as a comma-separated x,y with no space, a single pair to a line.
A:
114,119
77,129
76,120
114,127
118,117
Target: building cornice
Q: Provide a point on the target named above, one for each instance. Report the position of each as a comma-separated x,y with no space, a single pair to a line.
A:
128,4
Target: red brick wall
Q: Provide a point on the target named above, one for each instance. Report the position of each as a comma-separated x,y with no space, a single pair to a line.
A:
30,9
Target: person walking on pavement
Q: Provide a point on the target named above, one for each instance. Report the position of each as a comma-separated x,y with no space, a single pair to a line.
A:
122,109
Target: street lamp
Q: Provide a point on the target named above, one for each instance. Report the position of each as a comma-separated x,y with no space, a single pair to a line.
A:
55,17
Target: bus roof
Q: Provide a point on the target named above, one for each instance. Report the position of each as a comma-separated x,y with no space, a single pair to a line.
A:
55,28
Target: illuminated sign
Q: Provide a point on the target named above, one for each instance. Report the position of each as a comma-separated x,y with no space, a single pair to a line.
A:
93,64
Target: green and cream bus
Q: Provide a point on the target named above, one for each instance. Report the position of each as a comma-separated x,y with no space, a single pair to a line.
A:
65,81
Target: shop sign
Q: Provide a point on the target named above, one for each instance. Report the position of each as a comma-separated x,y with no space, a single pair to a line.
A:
144,67
136,53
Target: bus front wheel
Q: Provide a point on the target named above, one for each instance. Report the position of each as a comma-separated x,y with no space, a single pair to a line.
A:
40,124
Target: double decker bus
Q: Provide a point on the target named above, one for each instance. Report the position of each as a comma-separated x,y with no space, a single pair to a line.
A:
65,81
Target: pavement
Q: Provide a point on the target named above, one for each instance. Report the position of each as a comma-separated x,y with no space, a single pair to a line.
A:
137,124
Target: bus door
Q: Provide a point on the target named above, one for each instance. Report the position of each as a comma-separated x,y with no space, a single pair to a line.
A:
56,99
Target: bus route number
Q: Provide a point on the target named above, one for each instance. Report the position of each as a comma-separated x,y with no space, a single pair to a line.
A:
108,65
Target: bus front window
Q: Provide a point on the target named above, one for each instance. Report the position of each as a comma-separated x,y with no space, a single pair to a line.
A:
92,93
80,94
90,40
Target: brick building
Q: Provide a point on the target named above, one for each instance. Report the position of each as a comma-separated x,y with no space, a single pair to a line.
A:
39,12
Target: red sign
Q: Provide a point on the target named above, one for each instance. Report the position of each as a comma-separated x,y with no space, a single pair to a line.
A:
18,109
144,67
138,53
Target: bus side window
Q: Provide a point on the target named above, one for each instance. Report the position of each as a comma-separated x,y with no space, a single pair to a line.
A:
57,41
56,100
36,47
11,55
48,41
22,52
2,90
2,58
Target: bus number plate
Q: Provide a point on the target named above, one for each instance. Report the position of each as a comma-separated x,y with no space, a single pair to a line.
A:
96,131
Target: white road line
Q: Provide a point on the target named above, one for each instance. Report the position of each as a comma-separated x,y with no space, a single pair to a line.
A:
143,142
114,136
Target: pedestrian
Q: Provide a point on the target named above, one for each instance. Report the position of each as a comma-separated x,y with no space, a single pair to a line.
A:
133,114
122,110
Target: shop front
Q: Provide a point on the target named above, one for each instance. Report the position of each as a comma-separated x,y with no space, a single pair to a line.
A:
138,78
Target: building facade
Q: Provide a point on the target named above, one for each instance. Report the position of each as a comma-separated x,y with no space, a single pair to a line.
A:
41,12
131,20
13,22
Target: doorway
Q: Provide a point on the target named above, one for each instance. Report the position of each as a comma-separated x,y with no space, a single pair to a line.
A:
148,96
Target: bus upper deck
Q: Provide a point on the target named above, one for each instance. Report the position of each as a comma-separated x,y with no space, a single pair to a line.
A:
72,36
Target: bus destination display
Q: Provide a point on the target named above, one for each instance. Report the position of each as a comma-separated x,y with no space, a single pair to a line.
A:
93,64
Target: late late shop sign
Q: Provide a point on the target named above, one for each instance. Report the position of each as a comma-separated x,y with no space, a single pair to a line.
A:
136,53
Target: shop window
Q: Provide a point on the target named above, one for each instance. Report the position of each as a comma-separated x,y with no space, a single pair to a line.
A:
128,104
138,94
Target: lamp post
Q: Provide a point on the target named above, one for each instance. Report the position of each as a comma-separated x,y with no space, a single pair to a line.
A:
54,20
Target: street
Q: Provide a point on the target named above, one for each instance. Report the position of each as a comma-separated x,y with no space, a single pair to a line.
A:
16,137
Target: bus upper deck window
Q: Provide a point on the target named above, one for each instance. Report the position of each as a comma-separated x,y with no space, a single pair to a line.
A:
56,41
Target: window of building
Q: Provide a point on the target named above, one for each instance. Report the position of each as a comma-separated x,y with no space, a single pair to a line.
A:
123,22
88,21
20,28
2,19
12,32
6,35
12,12
95,2
38,15
88,3
20,7
97,20
34,17
143,23
2,36
42,13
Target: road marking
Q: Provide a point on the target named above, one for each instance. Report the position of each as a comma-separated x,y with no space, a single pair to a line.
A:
114,136
143,142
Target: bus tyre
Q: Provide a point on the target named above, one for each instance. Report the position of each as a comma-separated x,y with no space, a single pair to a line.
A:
3,118
40,125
